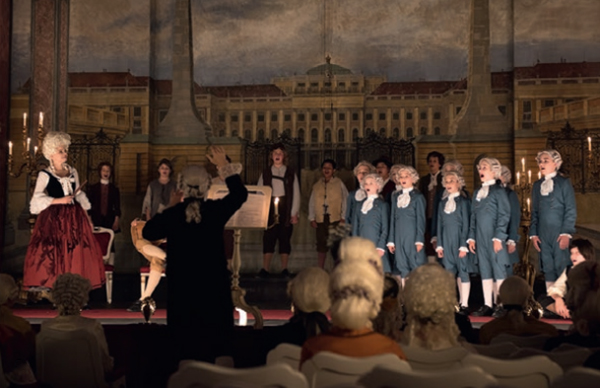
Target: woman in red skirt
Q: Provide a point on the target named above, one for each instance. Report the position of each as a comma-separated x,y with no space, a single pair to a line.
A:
63,240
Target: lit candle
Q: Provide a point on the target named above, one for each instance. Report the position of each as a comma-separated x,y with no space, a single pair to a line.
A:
28,143
41,119
276,206
589,144
10,148
539,175
529,175
518,178
35,150
528,205
24,119
523,164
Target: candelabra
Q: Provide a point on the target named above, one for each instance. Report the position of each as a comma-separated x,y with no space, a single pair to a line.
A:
30,161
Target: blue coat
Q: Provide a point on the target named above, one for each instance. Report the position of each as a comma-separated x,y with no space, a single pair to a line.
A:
489,220
452,233
514,223
374,224
551,216
407,226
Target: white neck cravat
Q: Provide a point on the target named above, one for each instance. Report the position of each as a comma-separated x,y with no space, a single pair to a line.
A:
485,189
404,198
104,181
398,187
433,181
360,194
548,184
451,203
368,204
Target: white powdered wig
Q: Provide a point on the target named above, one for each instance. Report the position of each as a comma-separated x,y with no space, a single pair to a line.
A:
356,290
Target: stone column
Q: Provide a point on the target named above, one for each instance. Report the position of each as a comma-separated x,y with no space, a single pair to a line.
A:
182,124
49,56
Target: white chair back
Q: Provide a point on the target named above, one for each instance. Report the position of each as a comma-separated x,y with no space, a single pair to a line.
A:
578,377
530,372
566,359
326,369
532,341
502,350
69,358
471,377
285,353
194,374
424,359
106,249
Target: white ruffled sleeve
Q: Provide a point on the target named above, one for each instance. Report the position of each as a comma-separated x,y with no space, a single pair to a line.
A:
40,200
81,197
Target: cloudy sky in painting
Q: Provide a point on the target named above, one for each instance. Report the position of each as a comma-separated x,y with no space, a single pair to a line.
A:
252,41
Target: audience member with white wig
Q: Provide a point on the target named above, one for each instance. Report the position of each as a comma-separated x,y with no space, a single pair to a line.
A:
430,302
309,291
356,289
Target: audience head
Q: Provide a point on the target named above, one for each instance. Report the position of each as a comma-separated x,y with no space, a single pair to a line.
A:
70,293
514,291
309,290
489,168
360,249
165,168
582,250
355,289
549,161
430,300
9,291
362,169
372,184
389,320
583,297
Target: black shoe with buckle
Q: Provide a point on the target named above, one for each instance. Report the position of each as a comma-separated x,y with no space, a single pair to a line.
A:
498,311
463,311
263,274
135,307
484,311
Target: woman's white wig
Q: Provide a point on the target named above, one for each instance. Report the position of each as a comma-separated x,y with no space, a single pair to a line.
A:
378,181
394,172
53,140
456,175
430,300
309,290
371,168
453,165
356,290
414,175
360,249
194,181
494,164
554,154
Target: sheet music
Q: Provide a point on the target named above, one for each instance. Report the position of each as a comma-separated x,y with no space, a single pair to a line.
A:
254,213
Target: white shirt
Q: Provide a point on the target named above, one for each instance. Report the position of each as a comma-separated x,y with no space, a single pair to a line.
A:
41,200
279,189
